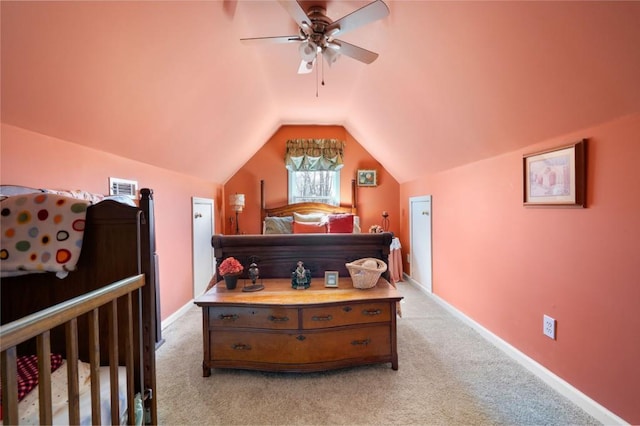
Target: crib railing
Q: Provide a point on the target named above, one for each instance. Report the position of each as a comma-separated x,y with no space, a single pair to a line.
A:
40,324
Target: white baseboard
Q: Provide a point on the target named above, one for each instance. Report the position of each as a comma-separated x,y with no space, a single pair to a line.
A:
590,406
176,315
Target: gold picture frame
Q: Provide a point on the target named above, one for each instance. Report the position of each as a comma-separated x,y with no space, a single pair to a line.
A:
556,177
367,178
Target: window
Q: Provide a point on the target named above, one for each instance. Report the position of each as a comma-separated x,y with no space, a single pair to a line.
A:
314,170
319,186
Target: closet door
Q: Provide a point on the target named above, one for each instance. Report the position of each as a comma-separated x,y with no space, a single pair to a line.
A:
203,260
420,258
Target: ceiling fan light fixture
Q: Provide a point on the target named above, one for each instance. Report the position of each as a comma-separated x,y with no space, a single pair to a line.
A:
330,55
308,51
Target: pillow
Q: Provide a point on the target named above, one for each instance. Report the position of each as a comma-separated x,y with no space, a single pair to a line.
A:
311,217
340,223
356,225
278,225
309,228
9,190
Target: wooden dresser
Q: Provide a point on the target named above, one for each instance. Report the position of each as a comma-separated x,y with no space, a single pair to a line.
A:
282,329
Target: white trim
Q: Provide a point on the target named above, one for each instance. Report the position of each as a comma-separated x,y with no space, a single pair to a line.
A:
590,406
176,315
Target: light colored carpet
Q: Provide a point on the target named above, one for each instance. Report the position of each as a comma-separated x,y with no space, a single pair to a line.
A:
448,375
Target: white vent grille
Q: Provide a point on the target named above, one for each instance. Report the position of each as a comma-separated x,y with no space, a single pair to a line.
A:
125,187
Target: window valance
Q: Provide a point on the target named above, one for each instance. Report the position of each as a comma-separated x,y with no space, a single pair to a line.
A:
314,154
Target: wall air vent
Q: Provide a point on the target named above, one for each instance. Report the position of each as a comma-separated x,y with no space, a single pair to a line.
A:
124,187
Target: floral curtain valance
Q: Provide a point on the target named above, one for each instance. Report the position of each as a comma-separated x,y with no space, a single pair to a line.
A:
314,154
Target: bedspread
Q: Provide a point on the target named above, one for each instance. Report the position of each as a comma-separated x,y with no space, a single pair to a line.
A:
41,233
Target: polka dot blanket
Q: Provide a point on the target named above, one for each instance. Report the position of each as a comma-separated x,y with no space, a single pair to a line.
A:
41,233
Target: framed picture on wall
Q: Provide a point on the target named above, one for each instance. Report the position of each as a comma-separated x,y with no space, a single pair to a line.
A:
367,178
556,177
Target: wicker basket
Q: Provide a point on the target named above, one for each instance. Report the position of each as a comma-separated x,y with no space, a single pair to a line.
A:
366,276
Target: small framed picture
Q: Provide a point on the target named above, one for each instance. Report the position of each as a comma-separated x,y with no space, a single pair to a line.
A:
367,178
331,278
556,177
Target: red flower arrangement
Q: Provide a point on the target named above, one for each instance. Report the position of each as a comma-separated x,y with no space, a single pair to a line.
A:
230,266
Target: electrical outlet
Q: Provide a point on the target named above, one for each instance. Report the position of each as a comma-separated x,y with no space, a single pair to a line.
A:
549,327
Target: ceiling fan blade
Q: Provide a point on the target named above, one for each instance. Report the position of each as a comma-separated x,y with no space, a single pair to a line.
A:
355,52
306,67
298,14
271,40
366,14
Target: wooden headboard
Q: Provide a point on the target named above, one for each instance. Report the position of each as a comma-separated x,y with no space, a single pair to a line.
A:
305,208
277,254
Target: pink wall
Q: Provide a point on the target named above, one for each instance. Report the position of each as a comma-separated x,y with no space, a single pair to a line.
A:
500,263
268,164
32,159
505,265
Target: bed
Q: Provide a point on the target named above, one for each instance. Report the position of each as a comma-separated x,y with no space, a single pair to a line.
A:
99,313
309,218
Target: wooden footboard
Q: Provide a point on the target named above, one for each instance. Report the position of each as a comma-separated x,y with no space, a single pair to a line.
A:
39,325
276,255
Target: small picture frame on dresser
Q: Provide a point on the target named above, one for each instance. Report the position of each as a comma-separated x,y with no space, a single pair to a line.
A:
331,278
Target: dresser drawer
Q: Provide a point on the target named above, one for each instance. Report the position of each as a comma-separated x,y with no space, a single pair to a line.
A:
334,316
299,348
250,317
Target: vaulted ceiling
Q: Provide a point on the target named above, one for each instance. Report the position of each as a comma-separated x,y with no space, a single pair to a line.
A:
170,83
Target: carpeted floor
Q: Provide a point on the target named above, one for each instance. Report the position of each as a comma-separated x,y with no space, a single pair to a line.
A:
448,375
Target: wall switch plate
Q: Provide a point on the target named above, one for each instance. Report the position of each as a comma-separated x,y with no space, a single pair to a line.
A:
408,258
549,327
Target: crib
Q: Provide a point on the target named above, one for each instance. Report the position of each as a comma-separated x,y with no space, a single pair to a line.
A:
102,318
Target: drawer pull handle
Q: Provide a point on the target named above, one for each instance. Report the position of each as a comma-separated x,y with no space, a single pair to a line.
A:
347,309
325,318
229,317
372,312
278,319
364,342
301,337
241,347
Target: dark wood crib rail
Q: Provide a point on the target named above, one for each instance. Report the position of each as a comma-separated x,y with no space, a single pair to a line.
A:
40,324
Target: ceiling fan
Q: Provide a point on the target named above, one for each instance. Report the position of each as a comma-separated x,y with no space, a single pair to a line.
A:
317,33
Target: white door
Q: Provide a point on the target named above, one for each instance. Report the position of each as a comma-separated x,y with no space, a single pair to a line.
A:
203,228
420,258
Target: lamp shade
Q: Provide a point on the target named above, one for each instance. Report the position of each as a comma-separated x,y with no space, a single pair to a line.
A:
236,201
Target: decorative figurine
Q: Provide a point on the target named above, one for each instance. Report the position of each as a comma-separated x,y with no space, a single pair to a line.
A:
301,277
254,273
